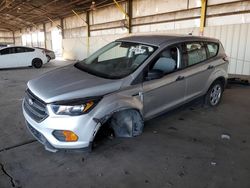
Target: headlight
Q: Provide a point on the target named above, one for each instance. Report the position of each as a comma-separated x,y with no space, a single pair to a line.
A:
72,110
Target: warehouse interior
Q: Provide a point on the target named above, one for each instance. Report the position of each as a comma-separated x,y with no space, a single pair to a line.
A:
191,146
75,29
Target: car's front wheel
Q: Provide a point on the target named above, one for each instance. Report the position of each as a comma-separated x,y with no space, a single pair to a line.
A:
127,123
214,94
37,63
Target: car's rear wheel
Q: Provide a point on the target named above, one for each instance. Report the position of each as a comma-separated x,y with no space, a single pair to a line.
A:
37,63
214,94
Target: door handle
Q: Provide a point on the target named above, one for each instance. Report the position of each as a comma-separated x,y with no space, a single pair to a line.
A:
210,67
180,78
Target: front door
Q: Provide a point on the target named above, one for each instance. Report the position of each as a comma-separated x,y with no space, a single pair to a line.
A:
168,91
7,58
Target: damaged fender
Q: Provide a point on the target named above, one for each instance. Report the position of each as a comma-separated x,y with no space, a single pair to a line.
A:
125,112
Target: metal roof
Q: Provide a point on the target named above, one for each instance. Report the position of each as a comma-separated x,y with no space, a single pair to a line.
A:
158,40
18,14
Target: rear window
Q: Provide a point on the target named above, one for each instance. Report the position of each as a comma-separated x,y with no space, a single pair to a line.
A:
196,53
20,49
29,49
212,49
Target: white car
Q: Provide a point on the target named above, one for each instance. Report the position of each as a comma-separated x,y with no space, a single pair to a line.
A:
20,56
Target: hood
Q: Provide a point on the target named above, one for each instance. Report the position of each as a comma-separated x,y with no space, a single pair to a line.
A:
70,83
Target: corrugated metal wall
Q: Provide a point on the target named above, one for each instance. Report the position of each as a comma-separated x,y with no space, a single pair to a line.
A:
227,20
236,41
6,37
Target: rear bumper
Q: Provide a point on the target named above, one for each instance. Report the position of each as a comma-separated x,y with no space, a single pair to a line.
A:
51,55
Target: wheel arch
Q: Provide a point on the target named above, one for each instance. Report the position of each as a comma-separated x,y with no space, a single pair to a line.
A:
124,103
219,75
35,59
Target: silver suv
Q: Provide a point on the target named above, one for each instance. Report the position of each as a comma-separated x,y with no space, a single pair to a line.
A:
124,83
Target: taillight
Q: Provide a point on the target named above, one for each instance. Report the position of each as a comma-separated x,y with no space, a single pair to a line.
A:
225,58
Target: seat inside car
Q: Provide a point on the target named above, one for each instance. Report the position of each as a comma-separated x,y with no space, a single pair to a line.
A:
141,57
165,63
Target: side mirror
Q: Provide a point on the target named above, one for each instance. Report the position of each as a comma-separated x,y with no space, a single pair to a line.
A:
154,74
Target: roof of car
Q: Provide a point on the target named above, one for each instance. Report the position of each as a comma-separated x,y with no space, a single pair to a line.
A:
16,46
158,40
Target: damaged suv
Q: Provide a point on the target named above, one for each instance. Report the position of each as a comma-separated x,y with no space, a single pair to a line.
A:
125,83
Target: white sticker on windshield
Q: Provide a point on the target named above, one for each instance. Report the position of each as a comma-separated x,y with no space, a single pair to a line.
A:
137,50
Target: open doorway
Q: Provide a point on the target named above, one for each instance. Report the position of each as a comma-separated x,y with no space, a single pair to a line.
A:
56,36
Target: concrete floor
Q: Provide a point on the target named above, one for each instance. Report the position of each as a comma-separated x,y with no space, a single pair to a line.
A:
183,148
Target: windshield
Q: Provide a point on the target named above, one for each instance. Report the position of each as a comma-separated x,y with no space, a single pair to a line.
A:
116,60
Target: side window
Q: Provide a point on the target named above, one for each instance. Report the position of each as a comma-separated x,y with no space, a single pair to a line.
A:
196,53
4,51
20,50
29,49
168,60
7,51
212,49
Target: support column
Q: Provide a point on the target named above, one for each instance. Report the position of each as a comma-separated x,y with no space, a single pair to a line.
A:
62,27
45,35
13,36
124,12
130,15
88,31
203,16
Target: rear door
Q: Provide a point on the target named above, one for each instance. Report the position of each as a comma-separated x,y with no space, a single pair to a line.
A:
25,56
198,67
21,56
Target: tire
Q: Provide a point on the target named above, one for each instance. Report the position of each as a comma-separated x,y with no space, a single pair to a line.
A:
37,63
48,58
214,94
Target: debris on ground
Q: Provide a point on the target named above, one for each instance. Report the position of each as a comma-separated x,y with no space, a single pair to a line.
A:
173,128
213,163
126,172
155,132
225,136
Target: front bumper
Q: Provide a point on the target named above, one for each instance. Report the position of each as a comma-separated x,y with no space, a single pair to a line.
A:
83,126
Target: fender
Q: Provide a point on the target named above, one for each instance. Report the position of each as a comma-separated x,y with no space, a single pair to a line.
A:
115,103
218,73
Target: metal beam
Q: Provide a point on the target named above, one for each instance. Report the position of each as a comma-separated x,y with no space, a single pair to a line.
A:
62,27
13,35
124,12
79,17
203,16
88,31
88,23
88,28
130,15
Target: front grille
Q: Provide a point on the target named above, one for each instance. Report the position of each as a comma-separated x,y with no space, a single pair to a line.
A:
34,107
36,134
